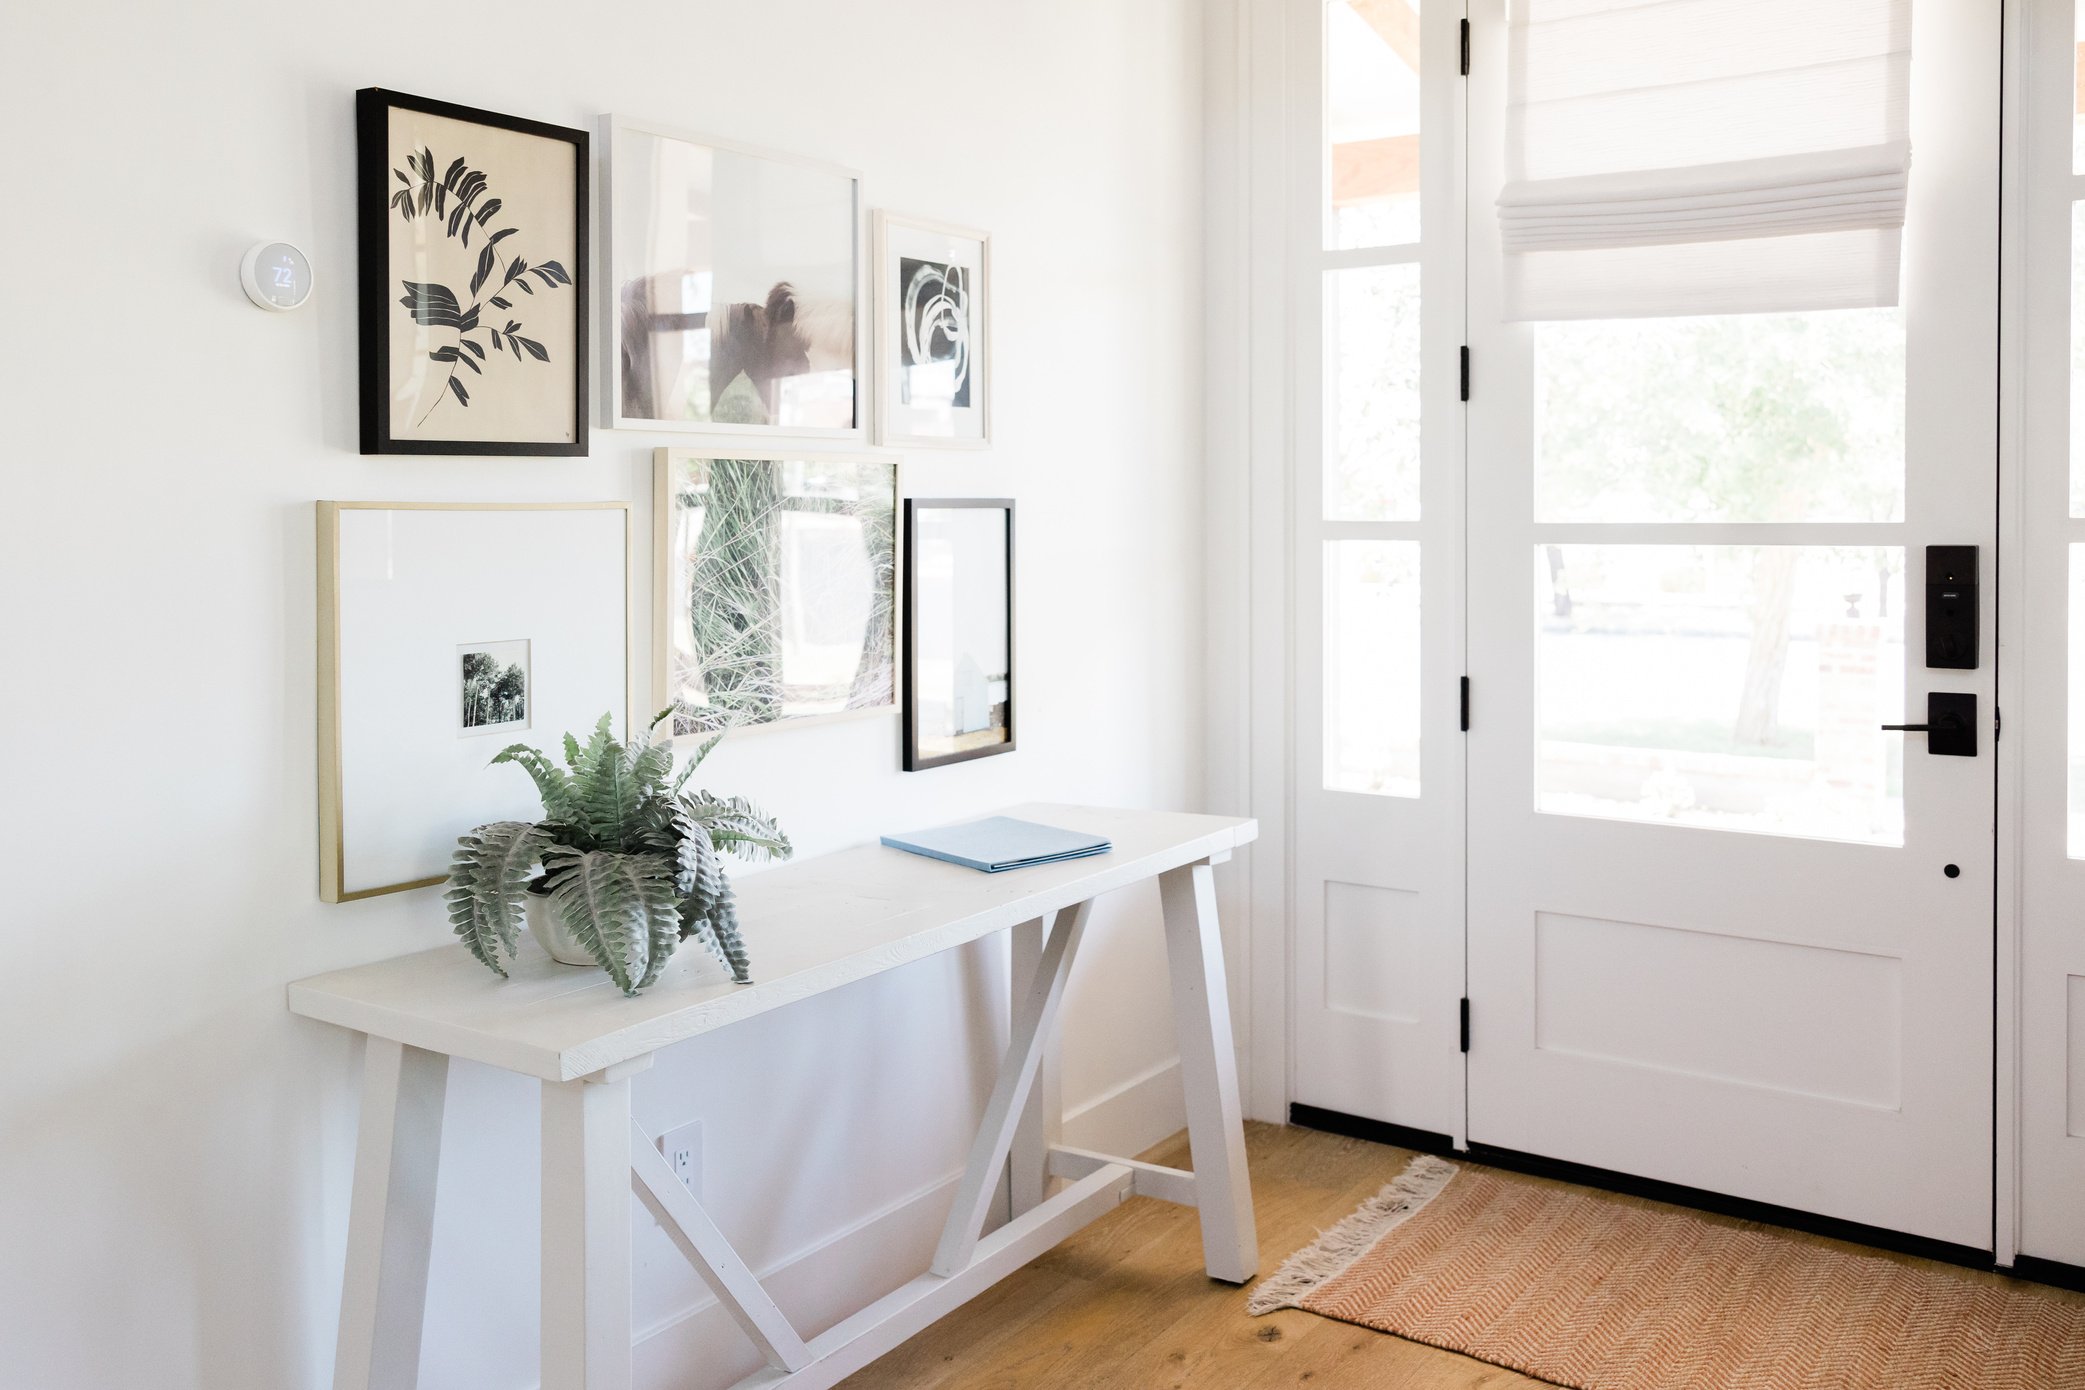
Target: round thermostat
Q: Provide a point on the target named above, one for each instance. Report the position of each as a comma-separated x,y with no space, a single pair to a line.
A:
275,275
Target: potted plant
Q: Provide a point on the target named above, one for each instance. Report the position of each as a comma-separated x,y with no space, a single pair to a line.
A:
624,866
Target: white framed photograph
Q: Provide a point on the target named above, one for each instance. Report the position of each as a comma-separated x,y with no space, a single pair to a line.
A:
446,632
775,595
734,287
933,333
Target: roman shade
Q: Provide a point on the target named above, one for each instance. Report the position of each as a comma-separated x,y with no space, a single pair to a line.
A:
1704,156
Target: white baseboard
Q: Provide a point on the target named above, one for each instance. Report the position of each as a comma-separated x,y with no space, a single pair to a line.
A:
702,1348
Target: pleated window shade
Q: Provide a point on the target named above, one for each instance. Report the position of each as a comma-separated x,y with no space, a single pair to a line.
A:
1704,156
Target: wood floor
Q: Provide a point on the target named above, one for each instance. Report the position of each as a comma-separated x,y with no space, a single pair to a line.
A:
1124,1304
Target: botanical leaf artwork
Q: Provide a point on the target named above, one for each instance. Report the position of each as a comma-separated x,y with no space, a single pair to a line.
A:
783,577
458,199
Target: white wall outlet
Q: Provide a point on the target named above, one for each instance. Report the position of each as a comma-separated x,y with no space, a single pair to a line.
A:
683,1150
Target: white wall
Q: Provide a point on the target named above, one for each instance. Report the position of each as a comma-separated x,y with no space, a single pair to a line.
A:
174,1148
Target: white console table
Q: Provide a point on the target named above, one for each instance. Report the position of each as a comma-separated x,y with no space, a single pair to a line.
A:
811,926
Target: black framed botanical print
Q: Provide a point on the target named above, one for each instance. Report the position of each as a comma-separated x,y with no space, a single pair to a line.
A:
473,279
933,340
959,629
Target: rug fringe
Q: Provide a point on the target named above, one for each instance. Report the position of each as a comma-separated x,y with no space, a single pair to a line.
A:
1335,1250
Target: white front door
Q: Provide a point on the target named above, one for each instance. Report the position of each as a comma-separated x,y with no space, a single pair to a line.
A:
1723,930
1375,140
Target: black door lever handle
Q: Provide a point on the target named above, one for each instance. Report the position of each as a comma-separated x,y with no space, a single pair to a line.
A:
1950,726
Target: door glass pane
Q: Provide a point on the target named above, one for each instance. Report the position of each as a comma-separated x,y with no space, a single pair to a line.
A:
2076,780
1372,667
2078,93
1372,121
1740,417
2078,356
1372,442
1723,686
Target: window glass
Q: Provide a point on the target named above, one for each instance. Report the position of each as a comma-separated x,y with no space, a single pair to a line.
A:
1372,122
1372,381
1372,667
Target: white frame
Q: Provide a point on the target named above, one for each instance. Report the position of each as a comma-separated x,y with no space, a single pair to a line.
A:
333,860
884,292
611,296
662,513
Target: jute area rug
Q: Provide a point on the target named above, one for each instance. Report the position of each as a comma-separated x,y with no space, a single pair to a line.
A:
1598,1293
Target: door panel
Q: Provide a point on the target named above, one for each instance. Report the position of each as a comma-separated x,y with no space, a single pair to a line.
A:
1713,935
1376,973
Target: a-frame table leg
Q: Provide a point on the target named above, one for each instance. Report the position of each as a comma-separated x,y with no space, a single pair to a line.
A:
1041,1123
383,1296
1209,1067
586,1234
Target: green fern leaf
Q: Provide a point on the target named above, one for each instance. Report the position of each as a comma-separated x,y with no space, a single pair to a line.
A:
487,883
617,906
551,782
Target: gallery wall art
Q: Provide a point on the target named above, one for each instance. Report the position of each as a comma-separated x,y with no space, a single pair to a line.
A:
959,630
735,287
473,279
776,587
933,345
447,632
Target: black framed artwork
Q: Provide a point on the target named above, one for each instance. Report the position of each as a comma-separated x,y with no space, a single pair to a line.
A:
473,279
959,629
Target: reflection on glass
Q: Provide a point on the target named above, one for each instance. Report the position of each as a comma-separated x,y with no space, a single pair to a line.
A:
962,645
1372,121
1372,667
1722,686
1372,448
1742,417
735,300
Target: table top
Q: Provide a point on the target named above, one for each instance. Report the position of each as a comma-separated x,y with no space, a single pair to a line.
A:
810,926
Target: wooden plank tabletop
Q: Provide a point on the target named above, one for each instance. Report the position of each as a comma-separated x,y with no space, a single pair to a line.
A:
811,926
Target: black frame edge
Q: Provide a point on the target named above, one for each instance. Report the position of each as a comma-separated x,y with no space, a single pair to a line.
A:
907,685
373,348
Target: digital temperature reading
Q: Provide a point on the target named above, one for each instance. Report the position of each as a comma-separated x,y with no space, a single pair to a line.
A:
275,275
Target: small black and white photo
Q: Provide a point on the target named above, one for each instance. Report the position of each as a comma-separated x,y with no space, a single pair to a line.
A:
493,686
934,346
933,343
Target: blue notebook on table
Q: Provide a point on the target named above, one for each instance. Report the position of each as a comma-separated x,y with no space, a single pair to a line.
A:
998,843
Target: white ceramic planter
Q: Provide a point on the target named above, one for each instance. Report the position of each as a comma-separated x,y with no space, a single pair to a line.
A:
549,930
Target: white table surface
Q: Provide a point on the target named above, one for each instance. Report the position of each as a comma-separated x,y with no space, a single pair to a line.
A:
810,926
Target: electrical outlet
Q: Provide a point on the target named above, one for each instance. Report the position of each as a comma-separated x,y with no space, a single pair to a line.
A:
683,1150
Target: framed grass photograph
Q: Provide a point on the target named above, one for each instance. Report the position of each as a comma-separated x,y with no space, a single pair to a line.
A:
959,630
776,587
472,230
447,631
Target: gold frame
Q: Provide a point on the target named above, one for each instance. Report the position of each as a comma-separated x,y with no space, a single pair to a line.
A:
662,512
332,844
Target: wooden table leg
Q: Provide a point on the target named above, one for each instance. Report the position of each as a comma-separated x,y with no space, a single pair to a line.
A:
1041,1122
586,1235
383,1296
1209,1067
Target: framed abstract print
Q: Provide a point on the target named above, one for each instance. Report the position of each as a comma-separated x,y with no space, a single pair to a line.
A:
446,632
933,341
472,231
735,288
959,630
776,587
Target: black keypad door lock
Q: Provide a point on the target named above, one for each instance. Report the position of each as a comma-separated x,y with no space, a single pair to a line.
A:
1951,607
1950,726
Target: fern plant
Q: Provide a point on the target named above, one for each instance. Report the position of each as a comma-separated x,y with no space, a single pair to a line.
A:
629,859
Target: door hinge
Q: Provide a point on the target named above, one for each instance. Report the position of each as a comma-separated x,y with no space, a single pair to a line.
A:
1465,48
1465,373
1465,704
1465,1024
1997,723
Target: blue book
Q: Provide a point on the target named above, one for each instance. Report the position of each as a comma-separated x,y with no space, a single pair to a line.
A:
998,843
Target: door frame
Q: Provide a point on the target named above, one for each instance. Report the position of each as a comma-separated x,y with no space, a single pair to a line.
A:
1250,399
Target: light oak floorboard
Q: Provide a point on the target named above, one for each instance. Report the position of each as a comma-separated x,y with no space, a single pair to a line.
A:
1124,1305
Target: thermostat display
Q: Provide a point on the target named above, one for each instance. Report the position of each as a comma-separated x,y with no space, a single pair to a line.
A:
275,275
